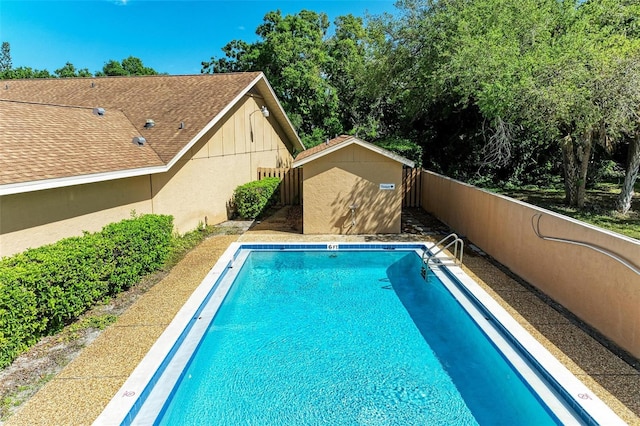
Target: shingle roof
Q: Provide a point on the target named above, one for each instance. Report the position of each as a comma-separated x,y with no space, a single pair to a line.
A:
195,100
340,142
318,148
48,142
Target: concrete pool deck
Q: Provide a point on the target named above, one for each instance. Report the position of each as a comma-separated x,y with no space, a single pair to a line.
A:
77,394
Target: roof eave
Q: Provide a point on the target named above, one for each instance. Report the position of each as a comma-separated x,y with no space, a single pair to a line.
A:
40,185
351,141
289,129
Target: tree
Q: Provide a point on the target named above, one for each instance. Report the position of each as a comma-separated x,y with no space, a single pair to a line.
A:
127,67
293,55
403,147
623,204
25,72
601,69
111,68
8,72
294,58
619,21
70,71
5,57
345,72
458,72
134,66
239,56
528,67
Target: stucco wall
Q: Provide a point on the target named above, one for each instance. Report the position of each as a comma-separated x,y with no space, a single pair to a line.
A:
351,176
199,186
36,218
599,290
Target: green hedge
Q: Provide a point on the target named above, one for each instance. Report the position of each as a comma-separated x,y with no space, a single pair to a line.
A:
20,324
139,246
253,198
45,288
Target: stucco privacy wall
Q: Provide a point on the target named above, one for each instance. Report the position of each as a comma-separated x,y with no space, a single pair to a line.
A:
228,155
596,288
196,187
351,176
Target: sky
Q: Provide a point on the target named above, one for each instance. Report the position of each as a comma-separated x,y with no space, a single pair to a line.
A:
171,36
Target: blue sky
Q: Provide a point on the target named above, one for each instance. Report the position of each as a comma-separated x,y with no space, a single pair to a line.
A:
169,36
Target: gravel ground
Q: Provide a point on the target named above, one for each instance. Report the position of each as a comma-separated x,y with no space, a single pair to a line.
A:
70,377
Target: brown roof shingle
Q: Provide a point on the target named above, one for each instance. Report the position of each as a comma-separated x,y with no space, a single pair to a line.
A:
46,142
128,102
318,148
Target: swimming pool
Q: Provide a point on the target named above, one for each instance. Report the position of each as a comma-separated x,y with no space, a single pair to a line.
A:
380,357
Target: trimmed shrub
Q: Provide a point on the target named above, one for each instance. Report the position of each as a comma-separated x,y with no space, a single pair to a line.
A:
139,246
43,289
253,198
66,277
20,325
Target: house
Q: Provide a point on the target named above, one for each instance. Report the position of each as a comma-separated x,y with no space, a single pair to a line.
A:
351,187
76,154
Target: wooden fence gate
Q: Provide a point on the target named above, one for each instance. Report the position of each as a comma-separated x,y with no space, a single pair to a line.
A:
411,187
291,186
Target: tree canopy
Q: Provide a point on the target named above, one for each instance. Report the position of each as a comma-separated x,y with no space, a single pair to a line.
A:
494,90
516,78
128,66
5,57
69,70
293,55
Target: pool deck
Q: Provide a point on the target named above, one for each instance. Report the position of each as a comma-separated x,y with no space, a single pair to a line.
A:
78,394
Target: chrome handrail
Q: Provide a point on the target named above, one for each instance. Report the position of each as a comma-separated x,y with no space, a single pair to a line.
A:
535,224
429,256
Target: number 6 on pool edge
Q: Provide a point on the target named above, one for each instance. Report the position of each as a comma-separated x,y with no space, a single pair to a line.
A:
332,246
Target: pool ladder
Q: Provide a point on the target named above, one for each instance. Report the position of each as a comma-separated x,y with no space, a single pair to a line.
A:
429,257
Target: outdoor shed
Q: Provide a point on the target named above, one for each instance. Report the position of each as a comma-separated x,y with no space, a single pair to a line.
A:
351,187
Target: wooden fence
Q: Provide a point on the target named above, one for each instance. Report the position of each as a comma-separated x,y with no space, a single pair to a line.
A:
291,185
411,187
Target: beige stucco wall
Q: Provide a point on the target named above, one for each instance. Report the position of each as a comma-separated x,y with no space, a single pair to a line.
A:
199,188
351,176
36,218
599,290
195,190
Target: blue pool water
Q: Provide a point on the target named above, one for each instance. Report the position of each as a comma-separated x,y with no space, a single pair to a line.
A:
346,337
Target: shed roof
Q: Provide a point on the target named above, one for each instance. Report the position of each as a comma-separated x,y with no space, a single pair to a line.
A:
341,142
58,111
